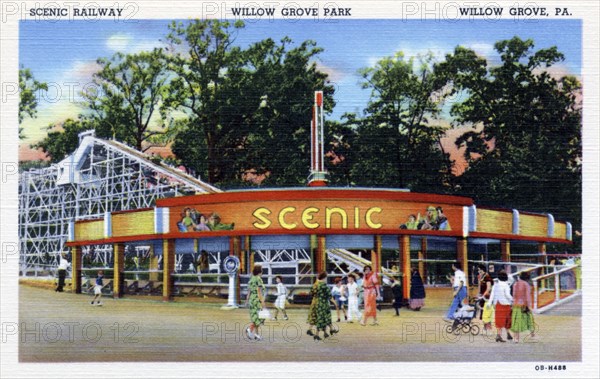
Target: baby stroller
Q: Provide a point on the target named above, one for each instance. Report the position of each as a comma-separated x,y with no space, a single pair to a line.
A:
462,320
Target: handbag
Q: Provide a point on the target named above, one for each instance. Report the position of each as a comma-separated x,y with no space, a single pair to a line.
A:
264,314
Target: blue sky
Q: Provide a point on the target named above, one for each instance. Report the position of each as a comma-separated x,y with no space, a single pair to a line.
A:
65,52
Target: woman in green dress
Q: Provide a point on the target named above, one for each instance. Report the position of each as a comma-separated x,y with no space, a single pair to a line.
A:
319,314
255,301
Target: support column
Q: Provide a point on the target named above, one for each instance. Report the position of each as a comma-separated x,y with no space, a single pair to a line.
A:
119,264
168,268
462,256
542,259
320,255
153,265
235,248
244,253
422,265
404,244
76,265
250,261
376,260
505,254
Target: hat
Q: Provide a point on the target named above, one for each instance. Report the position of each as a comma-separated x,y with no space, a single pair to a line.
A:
431,208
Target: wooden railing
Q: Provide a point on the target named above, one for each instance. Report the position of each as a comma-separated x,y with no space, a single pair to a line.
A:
556,293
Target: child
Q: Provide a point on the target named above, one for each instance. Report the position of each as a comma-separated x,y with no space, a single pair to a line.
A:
339,294
411,224
98,287
353,312
281,298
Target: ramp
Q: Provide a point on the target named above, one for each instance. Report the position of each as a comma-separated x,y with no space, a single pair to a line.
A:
354,262
160,167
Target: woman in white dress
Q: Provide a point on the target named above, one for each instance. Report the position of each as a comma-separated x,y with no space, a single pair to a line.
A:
281,298
353,290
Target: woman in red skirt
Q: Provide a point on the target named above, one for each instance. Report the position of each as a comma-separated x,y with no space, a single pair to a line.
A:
502,299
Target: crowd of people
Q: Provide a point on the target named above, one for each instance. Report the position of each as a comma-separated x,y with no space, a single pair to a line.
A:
509,306
434,219
348,295
194,221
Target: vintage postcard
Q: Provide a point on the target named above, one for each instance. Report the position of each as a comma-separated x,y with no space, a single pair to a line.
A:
232,189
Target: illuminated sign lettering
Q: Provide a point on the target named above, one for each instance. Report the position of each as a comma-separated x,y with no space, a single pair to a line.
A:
312,218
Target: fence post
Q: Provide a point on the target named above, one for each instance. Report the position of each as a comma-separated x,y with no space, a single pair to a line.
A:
557,287
535,295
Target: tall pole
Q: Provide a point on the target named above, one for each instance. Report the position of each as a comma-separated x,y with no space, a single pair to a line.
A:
317,144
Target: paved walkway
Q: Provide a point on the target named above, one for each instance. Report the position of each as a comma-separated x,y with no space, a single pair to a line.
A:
63,327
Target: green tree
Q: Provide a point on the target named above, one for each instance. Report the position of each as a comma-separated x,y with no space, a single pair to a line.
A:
282,81
528,154
342,151
246,109
399,139
202,60
130,90
29,90
62,141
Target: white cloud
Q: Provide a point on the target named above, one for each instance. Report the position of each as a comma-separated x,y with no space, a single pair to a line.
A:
335,75
485,51
119,42
82,70
145,45
126,43
372,61
556,71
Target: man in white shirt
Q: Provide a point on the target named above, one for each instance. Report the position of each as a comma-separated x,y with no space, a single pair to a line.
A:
63,266
459,290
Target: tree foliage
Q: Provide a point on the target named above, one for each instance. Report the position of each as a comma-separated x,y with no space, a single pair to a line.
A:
248,110
529,150
130,89
203,61
238,110
397,142
62,141
29,90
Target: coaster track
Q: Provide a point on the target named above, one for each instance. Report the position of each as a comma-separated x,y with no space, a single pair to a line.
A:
100,176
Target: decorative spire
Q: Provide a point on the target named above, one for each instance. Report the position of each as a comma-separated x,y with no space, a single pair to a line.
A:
318,174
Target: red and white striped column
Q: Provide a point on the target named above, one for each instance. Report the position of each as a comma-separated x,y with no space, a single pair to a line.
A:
318,174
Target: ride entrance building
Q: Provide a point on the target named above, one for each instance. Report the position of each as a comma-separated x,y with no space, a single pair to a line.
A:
159,232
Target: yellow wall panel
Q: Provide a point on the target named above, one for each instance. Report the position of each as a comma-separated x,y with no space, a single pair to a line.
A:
560,230
133,223
492,221
533,225
89,230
